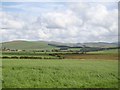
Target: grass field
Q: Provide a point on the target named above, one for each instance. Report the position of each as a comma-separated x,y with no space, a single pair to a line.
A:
111,51
27,45
0,74
92,70
104,55
0,78
60,73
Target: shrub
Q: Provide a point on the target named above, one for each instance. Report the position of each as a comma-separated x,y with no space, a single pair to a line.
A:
5,57
14,57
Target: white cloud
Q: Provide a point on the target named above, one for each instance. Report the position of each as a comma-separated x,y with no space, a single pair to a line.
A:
61,1
10,22
78,22
62,19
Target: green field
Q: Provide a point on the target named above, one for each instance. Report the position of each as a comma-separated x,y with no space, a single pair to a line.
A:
0,73
62,69
111,51
63,73
27,45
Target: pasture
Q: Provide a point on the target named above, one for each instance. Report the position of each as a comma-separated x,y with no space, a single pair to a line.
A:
97,69
60,73
105,55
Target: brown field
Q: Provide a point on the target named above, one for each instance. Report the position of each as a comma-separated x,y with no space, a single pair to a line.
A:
91,56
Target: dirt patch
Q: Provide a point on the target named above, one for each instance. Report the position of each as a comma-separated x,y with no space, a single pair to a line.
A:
91,56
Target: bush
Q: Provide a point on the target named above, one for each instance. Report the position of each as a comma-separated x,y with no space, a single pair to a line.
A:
5,57
14,57
26,57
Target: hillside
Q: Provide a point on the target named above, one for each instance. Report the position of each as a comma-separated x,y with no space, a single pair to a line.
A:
101,44
27,45
90,44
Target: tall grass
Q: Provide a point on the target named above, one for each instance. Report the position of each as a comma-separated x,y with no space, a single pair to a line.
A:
60,73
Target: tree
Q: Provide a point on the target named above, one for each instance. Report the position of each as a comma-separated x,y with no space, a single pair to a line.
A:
83,50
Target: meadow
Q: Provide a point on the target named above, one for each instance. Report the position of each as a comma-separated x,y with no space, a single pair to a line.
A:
60,73
74,71
0,71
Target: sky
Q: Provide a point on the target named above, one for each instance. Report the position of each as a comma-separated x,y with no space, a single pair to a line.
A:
73,22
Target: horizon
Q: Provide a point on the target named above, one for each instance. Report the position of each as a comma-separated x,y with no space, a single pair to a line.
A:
53,41
65,22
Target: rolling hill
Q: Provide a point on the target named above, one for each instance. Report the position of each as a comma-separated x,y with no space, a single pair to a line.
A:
46,45
27,45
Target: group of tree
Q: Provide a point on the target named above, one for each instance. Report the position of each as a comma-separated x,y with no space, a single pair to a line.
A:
86,49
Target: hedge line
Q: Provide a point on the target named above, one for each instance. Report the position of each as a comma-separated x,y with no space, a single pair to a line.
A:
28,57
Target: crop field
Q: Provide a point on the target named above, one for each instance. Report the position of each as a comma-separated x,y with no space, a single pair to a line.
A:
112,51
105,54
0,73
60,73
91,70
91,56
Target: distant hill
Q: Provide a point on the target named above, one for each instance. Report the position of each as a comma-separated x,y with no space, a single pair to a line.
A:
90,44
28,45
101,44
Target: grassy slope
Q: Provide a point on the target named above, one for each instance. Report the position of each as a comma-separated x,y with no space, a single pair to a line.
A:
101,44
111,51
44,45
27,45
60,73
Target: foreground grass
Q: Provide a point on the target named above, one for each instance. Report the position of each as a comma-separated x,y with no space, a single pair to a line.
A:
60,73
0,74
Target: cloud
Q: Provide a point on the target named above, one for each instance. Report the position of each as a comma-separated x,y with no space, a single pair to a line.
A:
10,22
62,19
69,22
61,1
98,20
